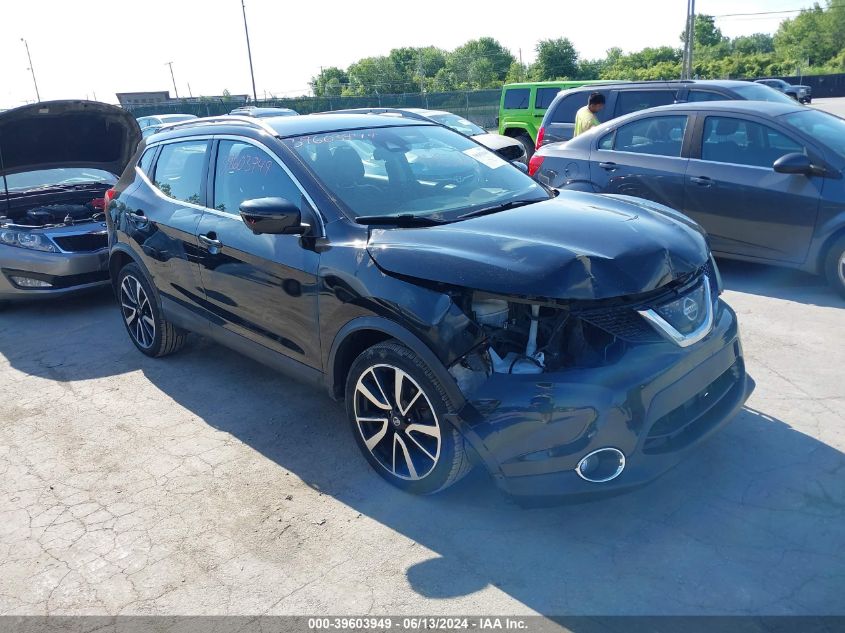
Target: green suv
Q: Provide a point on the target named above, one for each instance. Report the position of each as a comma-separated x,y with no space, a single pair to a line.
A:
523,105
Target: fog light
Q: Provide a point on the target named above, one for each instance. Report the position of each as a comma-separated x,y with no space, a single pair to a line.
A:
29,282
601,465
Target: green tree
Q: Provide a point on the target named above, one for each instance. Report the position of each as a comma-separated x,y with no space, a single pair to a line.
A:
705,32
376,75
757,43
329,83
480,63
556,59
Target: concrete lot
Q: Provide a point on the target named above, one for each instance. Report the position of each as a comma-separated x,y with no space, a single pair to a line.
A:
206,484
834,106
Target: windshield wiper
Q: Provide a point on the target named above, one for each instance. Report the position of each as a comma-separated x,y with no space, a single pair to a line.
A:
512,204
402,220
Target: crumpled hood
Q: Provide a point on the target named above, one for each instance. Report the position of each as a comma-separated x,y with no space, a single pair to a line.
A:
576,246
54,134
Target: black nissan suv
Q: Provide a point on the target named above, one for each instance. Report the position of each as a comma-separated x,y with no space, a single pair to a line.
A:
571,343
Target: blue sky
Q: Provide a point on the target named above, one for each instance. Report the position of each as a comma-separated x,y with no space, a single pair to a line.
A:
83,48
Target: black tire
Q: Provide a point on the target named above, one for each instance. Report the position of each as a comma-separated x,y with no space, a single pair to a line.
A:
142,317
415,471
834,265
527,143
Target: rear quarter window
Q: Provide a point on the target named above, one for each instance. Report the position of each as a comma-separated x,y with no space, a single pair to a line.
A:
146,162
517,98
544,97
635,100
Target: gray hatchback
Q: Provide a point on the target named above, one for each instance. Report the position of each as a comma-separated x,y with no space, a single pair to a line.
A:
57,160
764,179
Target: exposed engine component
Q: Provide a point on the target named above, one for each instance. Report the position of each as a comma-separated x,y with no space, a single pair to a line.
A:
526,338
59,214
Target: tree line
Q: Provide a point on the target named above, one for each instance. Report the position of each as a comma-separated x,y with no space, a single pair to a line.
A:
813,42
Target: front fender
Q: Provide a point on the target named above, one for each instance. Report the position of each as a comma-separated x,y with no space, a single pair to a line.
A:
404,336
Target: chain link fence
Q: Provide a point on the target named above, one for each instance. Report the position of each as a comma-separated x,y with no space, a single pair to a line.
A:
479,106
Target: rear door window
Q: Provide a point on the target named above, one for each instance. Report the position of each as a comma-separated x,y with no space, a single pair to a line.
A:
742,142
246,172
628,101
180,169
544,97
660,136
517,98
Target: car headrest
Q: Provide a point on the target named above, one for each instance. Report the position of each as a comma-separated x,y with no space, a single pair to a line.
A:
726,127
347,167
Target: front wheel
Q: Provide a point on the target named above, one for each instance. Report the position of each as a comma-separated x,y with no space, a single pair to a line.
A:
397,410
835,266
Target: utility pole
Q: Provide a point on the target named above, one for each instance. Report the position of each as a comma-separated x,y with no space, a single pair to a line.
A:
686,72
249,53
31,69
173,77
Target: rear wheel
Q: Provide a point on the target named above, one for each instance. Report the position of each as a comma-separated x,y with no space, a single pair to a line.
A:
144,322
834,268
397,410
527,143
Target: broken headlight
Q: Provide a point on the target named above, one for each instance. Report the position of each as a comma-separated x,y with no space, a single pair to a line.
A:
28,240
687,319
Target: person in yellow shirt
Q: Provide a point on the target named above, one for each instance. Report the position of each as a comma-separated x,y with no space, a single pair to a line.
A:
586,117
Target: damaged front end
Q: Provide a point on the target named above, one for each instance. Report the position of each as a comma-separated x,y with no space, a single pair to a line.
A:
536,337
581,397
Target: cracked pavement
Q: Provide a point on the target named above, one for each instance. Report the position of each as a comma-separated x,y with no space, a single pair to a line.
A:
204,483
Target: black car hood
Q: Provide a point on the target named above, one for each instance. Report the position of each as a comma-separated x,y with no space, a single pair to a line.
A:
576,246
54,134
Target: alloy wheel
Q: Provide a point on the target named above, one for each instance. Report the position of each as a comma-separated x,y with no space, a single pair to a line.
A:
840,268
397,422
137,312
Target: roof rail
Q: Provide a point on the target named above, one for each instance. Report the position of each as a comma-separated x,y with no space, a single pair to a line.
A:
221,119
378,110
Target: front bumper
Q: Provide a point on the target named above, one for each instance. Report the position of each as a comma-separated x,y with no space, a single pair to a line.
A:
654,405
65,272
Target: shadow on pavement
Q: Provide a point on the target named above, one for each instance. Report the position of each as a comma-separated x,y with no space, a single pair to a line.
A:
778,283
750,523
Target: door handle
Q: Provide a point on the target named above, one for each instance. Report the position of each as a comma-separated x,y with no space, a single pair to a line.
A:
210,240
609,166
701,181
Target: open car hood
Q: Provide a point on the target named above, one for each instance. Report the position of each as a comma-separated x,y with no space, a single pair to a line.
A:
54,134
576,246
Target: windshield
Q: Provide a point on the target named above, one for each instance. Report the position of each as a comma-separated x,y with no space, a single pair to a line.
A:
759,92
457,123
821,126
422,170
59,176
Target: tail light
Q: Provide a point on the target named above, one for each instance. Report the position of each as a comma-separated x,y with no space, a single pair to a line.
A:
110,195
534,164
540,134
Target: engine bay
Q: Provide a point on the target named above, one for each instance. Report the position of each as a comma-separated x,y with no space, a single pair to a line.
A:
50,215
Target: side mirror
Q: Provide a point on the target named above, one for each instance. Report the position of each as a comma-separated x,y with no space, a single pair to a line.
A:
273,216
794,163
520,166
